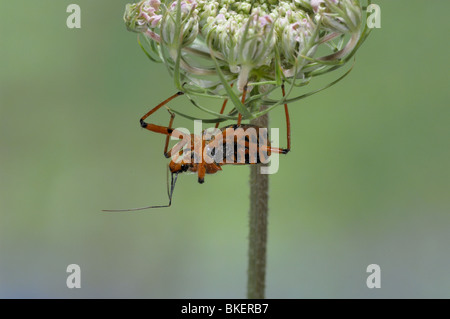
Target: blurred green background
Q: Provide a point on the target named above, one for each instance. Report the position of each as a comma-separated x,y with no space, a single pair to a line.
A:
367,180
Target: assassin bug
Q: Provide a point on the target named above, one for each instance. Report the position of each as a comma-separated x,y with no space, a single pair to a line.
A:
202,156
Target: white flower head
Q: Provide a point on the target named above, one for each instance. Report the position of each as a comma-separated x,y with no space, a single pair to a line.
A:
251,43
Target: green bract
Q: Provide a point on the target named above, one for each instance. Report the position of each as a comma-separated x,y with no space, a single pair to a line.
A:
216,48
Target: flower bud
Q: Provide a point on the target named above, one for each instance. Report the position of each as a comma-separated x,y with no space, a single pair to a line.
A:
141,16
297,40
188,25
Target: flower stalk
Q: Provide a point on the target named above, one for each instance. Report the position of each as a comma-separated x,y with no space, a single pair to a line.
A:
258,226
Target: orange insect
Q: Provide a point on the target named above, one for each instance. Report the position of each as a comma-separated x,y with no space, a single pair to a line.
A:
206,156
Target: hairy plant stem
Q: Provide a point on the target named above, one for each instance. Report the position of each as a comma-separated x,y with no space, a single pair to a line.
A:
259,199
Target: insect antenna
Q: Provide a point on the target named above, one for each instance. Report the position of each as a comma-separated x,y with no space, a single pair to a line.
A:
169,193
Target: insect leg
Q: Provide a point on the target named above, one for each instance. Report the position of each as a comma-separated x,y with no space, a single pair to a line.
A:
169,131
201,167
243,100
223,107
288,124
288,132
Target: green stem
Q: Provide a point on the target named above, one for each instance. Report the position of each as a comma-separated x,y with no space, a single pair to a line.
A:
259,199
